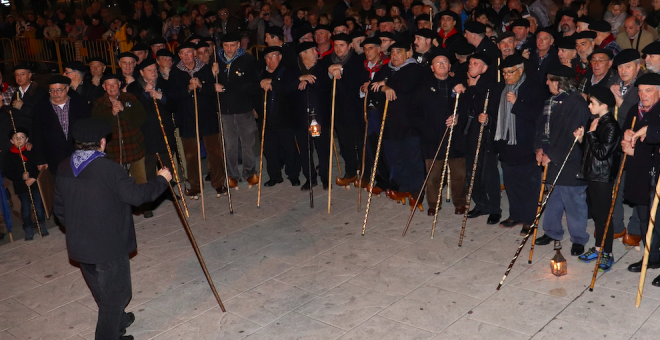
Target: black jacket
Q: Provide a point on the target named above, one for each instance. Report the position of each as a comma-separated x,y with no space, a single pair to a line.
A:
318,96
601,156
185,101
95,207
349,107
154,142
646,158
31,99
471,104
13,170
241,84
51,145
278,102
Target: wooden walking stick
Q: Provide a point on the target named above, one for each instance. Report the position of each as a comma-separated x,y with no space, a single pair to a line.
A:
444,166
474,172
169,153
180,156
309,157
428,174
332,143
615,193
34,210
647,245
373,171
261,154
222,142
538,208
538,216
199,157
364,152
186,226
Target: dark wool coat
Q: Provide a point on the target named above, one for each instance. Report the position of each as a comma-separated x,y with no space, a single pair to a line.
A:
154,142
130,120
185,102
638,167
278,102
240,82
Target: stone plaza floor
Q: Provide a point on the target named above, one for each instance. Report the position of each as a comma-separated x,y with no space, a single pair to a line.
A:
285,271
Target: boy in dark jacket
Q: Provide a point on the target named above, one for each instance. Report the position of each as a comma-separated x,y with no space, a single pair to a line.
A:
13,170
600,163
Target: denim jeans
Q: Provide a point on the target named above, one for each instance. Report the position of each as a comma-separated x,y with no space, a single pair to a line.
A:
110,283
573,201
26,212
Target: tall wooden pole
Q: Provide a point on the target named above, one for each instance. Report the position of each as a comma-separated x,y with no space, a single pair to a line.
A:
332,142
199,157
261,153
373,171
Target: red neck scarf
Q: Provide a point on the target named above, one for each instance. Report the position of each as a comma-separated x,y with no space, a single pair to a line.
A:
375,68
14,149
446,35
606,41
326,53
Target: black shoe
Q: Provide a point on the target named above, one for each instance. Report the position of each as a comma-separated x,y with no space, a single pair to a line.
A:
294,182
543,240
494,218
525,229
208,177
128,318
476,213
127,337
577,249
637,266
222,190
273,182
325,186
509,223
656,281
147,214
305,186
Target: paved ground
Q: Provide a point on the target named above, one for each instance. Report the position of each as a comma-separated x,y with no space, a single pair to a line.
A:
288,272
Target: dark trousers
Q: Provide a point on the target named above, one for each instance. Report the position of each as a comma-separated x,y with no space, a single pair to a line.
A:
407,169
26,212
458,190
523,185
600,200
215,157
351,141
279,149
643,213
383,166
151,167
486,191
322,146
110,283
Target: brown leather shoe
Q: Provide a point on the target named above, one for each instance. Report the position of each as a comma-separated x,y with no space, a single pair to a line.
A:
365,182
345,181
233,184
192,193
399,197
459,210
620,235
376,190
431,211
631,240
253,180
413,203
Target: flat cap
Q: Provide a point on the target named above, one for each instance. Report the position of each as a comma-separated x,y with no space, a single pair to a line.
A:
626,56
372,41
76,66
19,129
603,95
562,71
475,27
342,37
600,26
520,22
652,48
271,49
585,35
648,79
425,33
604,51
58,79
90,130
140,47
126,55
511,61
164,53
305,46
486,59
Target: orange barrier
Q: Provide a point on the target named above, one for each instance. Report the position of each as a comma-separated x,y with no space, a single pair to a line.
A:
256,51
60,51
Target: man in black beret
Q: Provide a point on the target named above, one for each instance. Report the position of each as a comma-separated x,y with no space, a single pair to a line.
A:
54,117
545,56
27,96
141,50
97,68
652,52
459,69
564,112
275,37
348,70
604,37
480,83
475,33
600,73
506,43
642,161
157,44
423,44
203,52
584,45
386,39
423,21
127,62
568,22
93,199
524,39
583,23
165,60
447,29
386,24
80,84
237,84
324,46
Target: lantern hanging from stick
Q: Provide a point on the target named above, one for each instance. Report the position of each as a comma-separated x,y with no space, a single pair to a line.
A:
314,126
558,262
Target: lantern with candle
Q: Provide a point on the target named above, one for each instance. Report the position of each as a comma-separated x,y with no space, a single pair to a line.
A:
558,263
314,126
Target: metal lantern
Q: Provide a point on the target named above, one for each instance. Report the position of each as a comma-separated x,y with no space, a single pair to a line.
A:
558,264
314,126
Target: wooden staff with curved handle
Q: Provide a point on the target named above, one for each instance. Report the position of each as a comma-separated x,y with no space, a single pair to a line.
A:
199,157
261,153
538,216
364,152
222,142
186,226
474,172
647,245
445,166
332,142
373,171
538,208
169,153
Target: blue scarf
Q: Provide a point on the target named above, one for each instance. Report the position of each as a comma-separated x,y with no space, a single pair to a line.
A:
81,159
221,55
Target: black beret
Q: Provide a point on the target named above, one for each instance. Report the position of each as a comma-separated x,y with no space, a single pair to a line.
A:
357,34
386,18
449,13
76,66
58,79
401,44
194,36
585,35
158,40
567,43
305,46
164,53
187,45
425,33
342,37
600,26
146,63
562,71
323,27
549,30
109,76
475,27
416,3
99,59
90,130
209,40
372,40
603,95
652,48
275,30
336,24
19,129
202,44
586,19
511,61
648,79
626,56
520,22
486,59
464,48
140,47
570,13
231,37
388,35
271,49
505,35
23,67
423,17
126,55
380,6
442,52
604,51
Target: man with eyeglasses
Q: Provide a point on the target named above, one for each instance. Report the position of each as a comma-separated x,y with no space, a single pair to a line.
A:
600,73
54,117
203,52
76,71
127,62
275,38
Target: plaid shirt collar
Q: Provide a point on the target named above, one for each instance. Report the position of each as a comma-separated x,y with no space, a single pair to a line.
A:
63,116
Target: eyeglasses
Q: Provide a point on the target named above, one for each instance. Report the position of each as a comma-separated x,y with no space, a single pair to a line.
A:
57,91
506,73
